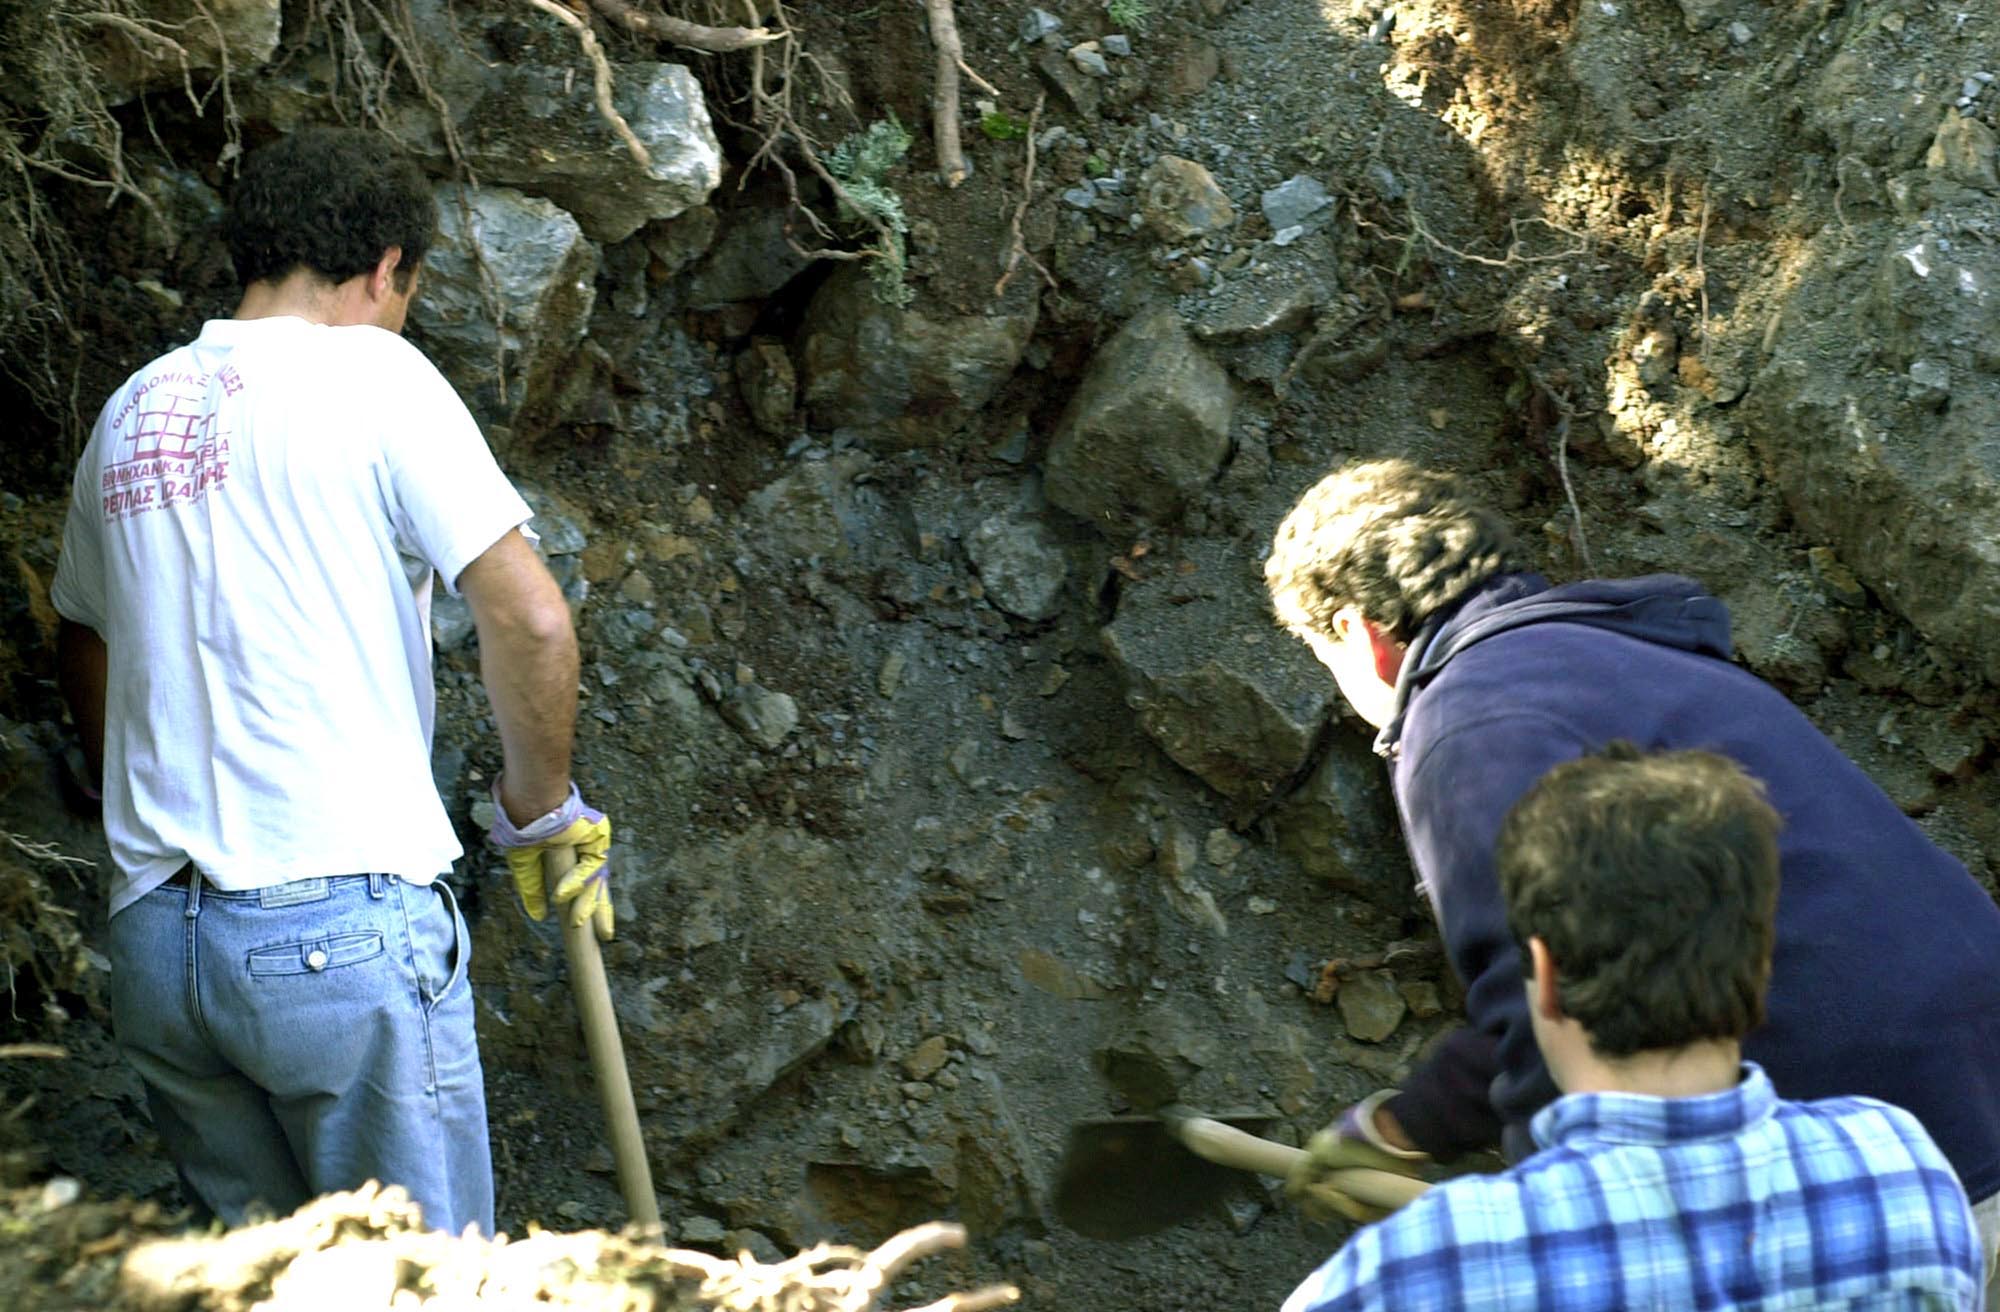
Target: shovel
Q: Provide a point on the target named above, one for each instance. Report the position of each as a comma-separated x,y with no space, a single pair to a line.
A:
607,1054
1128,1176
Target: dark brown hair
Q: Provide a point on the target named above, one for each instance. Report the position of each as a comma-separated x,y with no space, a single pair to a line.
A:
331,200
1396,541
1654,881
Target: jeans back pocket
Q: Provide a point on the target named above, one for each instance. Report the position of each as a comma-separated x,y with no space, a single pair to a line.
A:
313,955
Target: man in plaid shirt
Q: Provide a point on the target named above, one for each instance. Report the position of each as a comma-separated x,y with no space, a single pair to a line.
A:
1642,893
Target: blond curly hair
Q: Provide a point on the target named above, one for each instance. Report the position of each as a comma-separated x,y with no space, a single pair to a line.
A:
1396,541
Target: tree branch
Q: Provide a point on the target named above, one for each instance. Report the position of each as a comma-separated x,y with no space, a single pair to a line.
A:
680,32
952,168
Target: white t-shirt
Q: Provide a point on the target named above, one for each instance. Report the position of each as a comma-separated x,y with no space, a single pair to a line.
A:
233,534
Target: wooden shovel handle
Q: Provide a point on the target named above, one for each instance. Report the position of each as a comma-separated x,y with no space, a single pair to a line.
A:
1226,1145
607,1054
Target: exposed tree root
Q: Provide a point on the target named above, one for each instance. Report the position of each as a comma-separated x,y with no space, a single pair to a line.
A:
1017,247
680,32
952,168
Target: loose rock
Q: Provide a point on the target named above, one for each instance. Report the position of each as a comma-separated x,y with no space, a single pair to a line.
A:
1147,428
903,377
769,385
1295,202
1181,200
530,130
532,257
1370,1006
1021,565
1240,716
764,717
1340,826
1963,151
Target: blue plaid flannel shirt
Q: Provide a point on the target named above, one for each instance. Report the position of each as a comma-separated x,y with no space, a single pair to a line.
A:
1730,1200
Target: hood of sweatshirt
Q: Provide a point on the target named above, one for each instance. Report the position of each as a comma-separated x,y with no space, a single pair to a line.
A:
1667,609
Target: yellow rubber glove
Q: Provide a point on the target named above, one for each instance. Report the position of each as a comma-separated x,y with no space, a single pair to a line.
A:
1351,1141
585,892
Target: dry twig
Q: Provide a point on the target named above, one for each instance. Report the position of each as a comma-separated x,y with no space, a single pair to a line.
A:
952,168
1565,413
1017,247
44,1051
680,32
836,1278
46,853
601,71
1701,273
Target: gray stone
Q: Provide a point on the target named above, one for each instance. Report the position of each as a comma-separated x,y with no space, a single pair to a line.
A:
1181,201
750,260
676,243
1081,92
702,1230
451,621
1225,695
1384,180
533,259
1740,34
1340,827
1117,44
1037,24
742,904
1147,428
1020,564
1370,1005
241,35
809,513
1089,60
1151,1061
1700,15
902,377
769,384
1295,202
1963,151
1909,499
1270,297
764,717
537,128
1930,384
554,523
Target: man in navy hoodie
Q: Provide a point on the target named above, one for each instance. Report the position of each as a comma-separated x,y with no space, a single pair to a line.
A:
1481,676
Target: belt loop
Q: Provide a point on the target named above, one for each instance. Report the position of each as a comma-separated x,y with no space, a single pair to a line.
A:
377,885
194,891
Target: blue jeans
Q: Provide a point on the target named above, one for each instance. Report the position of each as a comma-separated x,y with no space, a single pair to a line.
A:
306,1038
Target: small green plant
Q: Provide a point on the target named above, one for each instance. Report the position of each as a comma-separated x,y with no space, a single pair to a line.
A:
1130,15
1096,166
861,162
1003,127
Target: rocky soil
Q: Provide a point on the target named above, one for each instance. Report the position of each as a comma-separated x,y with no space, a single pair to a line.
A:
964,788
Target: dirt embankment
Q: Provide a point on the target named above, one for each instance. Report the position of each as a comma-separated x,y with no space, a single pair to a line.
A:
963,786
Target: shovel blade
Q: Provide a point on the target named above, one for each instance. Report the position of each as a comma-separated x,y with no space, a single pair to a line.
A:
1128,1176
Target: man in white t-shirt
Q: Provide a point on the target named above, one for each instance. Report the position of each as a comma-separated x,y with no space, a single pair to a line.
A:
249,668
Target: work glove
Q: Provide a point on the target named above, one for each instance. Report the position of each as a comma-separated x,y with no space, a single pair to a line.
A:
1350,1141
586,889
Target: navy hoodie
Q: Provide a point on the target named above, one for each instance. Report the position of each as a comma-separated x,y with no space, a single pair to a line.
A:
1886,980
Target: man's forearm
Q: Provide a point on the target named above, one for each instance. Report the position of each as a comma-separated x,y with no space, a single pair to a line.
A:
531,680
528,661
82,669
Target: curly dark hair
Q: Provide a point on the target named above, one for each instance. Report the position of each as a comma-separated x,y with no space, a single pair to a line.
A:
1654,881
332,200
1397,541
